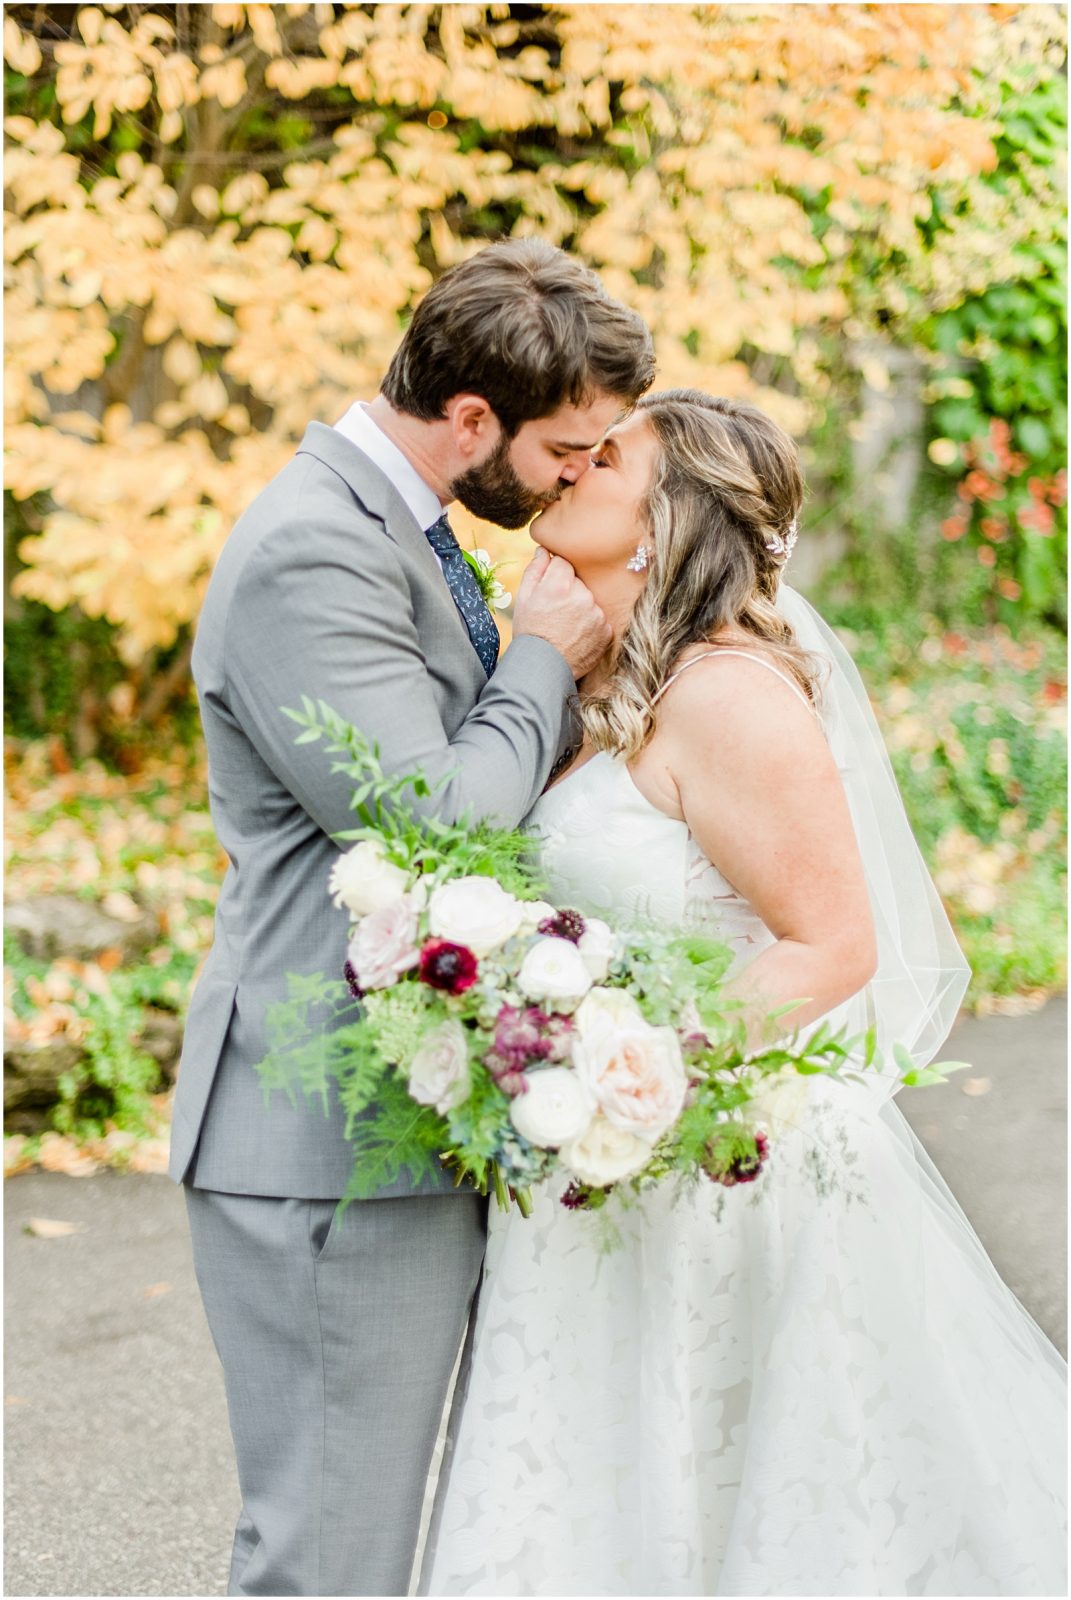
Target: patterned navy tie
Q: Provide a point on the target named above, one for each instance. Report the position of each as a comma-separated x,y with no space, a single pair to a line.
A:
466,592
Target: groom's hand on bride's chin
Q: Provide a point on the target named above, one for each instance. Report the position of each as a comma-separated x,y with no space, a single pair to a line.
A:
553,604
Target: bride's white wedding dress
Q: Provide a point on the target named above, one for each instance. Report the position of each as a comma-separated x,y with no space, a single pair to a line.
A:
763,1390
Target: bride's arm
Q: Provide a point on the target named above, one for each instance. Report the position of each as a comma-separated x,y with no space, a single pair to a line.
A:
760,792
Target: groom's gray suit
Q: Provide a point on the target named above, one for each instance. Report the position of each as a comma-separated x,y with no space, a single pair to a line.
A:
337,1338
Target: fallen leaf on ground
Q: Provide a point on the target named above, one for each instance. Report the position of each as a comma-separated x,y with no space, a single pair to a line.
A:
156,1289
15,1159
59,1154
1012,1005
151,1155
120,906
52,1228
115,1146
976,1085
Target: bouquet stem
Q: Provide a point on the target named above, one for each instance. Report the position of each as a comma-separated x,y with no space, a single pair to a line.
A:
501,1191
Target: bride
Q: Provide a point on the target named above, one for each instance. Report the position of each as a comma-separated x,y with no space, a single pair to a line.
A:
817,1384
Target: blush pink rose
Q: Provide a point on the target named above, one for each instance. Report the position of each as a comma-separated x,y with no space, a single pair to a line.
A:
385,944
634,1072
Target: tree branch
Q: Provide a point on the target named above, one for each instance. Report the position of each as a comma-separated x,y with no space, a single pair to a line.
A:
166,688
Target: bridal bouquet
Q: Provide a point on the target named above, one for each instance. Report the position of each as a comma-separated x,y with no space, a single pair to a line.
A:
472,1023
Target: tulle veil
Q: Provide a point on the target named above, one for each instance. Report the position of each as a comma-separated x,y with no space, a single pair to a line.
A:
922,975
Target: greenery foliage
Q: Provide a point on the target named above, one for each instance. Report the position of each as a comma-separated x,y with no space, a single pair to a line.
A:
191,193
135,844
115,1081
999,388
323,1042
193,190
393,810
976,728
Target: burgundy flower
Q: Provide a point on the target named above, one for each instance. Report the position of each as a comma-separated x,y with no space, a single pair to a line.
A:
525,1038
452,967
582,1197
566,925
509,1079
519,1036
350,974
741,1167
559,1036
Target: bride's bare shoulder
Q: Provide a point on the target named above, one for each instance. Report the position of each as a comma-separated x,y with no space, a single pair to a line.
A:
732,682
741,724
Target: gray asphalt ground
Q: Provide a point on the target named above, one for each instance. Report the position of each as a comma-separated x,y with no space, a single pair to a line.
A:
119,1478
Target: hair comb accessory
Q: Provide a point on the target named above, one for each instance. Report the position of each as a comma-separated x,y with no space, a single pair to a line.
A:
782,544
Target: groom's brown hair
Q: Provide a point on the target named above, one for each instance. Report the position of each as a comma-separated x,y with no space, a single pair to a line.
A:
526,327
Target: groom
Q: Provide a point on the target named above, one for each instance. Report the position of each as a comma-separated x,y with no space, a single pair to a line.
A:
343,582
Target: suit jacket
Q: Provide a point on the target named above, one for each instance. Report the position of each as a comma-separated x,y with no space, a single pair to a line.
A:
327,587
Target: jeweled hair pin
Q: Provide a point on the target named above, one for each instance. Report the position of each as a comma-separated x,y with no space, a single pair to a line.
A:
782,544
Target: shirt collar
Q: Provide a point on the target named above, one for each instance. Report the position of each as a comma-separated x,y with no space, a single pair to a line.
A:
359,428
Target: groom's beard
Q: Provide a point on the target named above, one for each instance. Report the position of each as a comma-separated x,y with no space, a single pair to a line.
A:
494,492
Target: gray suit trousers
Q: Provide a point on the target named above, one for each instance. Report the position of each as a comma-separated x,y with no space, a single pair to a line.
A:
337,1337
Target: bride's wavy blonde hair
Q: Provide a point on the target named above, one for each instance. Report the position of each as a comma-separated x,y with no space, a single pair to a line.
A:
727,485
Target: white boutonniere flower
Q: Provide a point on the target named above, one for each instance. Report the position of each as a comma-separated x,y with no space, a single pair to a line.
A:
485,570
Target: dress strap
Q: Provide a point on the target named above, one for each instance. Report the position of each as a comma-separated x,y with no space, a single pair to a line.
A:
748,655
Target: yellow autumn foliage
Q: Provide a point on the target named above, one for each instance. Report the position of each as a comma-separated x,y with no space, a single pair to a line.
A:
217,228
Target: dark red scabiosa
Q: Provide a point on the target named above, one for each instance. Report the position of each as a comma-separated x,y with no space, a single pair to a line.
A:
733,1164
451,967
349,972
565,925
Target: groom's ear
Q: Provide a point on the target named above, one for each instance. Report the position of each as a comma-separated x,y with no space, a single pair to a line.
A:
473,426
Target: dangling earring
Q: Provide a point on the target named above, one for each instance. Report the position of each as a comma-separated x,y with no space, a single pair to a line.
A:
638,562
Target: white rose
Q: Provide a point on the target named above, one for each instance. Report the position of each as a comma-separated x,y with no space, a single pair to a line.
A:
554,1108
553,972
635,1072
605,1154
608,1007
364,880
439,1072
598,945
533,912
780,1098
475,912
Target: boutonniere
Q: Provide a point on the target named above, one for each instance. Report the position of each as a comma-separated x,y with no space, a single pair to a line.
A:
485,571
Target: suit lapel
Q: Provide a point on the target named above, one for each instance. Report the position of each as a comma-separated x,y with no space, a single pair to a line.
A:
381,499
375,492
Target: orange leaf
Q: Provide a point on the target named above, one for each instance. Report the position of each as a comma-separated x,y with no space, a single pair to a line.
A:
59,1154
50,1228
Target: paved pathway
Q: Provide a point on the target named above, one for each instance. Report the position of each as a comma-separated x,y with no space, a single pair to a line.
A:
119,1479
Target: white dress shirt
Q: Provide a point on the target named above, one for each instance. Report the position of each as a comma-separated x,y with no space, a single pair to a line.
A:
358,427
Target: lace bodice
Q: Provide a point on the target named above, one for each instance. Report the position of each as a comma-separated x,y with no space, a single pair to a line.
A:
608,852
